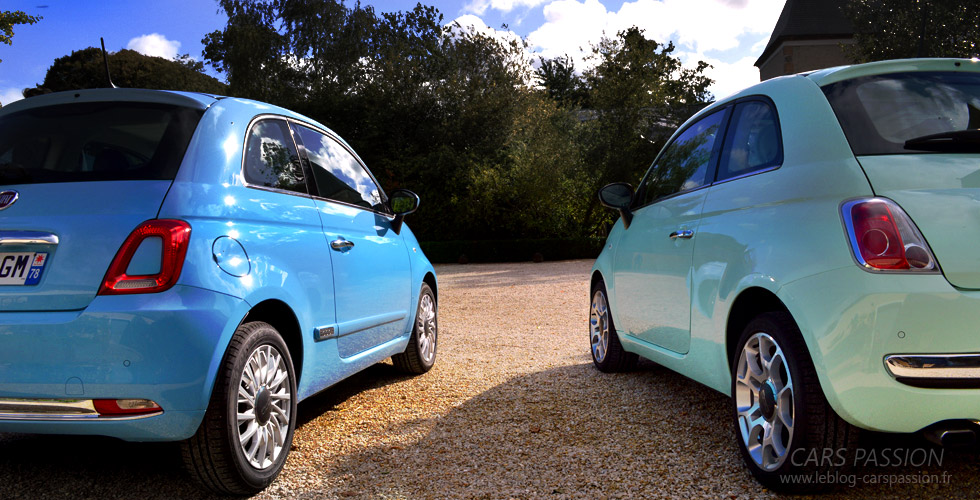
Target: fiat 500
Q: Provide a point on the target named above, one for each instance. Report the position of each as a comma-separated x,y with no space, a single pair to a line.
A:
810,246
184,267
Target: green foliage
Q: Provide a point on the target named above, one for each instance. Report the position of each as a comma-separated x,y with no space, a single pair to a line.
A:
895,29
85,69
639,94
457,116
10,18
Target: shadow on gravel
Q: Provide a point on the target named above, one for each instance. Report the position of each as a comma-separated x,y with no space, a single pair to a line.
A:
646,434
34,466
568,432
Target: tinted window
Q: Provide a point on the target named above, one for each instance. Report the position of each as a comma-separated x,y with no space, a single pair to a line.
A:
879,113
684,164
753,143
94,142
271,159
339,176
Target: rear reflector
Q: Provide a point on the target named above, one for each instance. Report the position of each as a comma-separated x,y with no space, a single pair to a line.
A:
118,407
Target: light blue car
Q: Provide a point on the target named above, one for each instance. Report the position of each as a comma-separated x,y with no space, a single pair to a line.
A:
810,246
185,267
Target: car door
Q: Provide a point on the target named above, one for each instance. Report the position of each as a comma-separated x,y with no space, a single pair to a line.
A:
652,269
372,273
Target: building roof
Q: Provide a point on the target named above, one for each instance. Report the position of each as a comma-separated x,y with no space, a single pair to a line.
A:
808,20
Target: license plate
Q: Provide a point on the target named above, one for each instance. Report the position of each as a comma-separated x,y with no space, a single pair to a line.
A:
22,268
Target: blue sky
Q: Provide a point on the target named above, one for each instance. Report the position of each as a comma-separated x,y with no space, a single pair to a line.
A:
729,34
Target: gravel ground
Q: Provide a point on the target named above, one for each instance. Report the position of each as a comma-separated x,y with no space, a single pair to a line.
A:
512,409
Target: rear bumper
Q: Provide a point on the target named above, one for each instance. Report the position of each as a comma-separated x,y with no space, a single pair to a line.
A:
893,353
162,347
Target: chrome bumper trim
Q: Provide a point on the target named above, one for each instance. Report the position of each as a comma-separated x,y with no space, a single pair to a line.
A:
935,370
56,410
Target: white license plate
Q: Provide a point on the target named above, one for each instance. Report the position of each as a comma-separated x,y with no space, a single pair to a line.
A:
22,268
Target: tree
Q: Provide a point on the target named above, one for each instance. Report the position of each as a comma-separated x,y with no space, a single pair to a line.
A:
561,82
895,29
84,69
639,94
8,19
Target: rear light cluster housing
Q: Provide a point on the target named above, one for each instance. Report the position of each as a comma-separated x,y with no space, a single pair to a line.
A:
884,239
175,234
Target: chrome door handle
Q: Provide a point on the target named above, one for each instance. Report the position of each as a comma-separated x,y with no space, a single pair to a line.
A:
341,244
684,235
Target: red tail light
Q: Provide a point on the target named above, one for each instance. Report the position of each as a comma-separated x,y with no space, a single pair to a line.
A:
884,238
175,235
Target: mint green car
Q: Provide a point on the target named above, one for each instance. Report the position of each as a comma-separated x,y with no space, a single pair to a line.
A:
810,246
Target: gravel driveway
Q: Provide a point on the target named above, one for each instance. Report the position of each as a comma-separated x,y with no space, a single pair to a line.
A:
512,409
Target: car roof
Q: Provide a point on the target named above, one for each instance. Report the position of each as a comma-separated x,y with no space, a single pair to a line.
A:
840,73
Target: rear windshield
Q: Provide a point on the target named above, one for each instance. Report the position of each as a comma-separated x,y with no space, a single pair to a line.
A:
103,141
879,113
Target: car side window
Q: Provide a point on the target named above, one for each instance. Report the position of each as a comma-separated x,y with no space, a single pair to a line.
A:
684,164
753,143
339,175
271,159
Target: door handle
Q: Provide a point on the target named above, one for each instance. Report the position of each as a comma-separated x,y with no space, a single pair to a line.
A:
341,244
686,234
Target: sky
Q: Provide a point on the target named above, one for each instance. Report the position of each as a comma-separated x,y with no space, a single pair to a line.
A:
728,34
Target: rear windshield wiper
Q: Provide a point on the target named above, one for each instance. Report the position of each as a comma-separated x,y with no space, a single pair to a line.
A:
954,141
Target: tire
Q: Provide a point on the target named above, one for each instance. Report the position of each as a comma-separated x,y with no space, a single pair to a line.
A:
217,456
786,431
608,354
420,354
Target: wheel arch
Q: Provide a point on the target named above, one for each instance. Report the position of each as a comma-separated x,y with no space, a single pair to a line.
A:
750,303
278,314
430,279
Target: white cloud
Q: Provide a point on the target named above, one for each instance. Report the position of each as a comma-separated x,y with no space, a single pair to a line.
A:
695,26
731,77
10,94
479,7
156,45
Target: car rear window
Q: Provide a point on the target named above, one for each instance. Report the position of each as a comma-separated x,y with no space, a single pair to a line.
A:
102,141
880,113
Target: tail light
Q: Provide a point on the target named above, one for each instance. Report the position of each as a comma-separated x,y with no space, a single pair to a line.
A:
175,235
884,238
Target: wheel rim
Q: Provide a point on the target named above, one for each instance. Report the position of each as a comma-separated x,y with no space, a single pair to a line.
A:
425,325
599,326
264,404
764,397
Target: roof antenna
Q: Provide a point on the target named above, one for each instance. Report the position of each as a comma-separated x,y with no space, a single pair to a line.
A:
105,59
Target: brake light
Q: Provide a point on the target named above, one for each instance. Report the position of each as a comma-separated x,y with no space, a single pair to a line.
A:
175,235
884,238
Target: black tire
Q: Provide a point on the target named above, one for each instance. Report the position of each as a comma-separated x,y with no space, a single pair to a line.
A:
420,354
213,456
818,443
608,354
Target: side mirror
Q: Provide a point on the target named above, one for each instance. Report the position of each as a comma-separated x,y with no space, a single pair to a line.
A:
402,202
618,195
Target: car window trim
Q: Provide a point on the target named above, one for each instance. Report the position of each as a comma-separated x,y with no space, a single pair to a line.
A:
248,133
712,161
314,190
